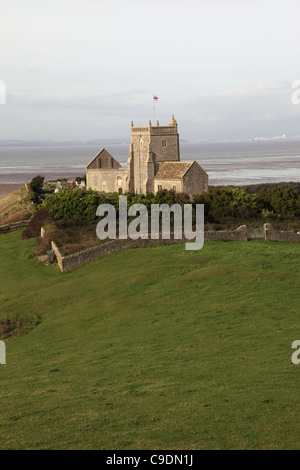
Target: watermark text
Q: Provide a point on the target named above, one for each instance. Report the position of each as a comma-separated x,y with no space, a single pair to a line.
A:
187,224
2,353
296,354
296,94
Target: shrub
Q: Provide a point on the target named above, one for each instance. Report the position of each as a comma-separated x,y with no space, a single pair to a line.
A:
36,189
283,201
41,218
222,203
182,198
37,184
76,205
42,245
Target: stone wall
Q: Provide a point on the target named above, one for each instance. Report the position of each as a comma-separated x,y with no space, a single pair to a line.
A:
169,184
139,157
58,255
195,181
103,160
107,180
240,234
280,235
165,147
66,263
14,226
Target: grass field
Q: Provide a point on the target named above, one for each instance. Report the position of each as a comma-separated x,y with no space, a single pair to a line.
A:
154,348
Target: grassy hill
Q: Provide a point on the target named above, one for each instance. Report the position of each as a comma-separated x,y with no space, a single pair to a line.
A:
13,207
152,348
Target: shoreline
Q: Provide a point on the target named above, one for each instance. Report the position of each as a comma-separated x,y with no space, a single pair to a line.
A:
10,188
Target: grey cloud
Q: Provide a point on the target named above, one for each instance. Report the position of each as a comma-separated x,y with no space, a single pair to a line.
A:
265,109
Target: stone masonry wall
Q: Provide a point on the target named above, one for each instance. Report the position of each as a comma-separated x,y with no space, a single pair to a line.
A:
140,146
151,139
167,153
195,181
66,263
168,184
58,255
279,235
107,180
240,234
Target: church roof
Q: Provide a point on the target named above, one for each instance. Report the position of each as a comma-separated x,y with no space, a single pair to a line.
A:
173,170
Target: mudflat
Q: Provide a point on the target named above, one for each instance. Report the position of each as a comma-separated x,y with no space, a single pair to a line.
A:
9,188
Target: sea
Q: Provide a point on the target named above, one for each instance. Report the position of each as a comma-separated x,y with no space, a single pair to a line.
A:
227,163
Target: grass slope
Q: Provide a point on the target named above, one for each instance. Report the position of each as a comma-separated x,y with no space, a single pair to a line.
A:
11,204
153,348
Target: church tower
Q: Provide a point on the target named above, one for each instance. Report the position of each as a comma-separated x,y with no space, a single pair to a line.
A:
150,147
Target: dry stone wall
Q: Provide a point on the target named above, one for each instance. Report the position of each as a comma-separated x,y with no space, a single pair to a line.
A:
66,263
240,234
280,235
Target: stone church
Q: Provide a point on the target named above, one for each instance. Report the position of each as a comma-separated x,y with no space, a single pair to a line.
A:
153,164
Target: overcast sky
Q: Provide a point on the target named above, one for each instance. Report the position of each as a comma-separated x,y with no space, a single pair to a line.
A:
83,69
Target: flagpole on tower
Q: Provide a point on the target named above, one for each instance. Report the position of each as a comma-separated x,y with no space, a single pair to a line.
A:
155,99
